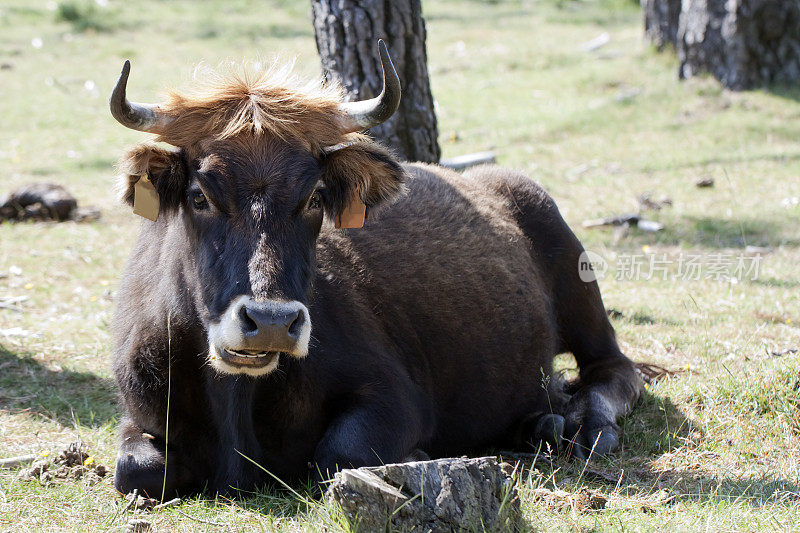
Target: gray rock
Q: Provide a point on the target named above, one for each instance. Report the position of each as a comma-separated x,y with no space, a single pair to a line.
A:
443,495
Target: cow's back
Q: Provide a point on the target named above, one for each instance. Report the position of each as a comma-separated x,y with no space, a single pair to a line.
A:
444,284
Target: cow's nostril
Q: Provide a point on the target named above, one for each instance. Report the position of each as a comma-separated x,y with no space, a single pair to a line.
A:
296,327
248,324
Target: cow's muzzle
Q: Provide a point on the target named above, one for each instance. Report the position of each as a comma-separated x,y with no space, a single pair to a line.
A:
251,336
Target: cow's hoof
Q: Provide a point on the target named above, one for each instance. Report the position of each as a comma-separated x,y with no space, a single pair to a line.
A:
603,441
140,465
539,432
595,443
590,429
550,429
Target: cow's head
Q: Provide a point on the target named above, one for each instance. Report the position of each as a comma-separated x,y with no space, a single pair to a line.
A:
255,167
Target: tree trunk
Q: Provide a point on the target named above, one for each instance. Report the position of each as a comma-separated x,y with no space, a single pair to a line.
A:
743,43
347,32
661,21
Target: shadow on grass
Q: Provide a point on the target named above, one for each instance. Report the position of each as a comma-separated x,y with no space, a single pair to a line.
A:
657,427
254,32
723,161
272,500
716,233
567,13
280,502
723,233
776,283
639,318
790,92
67,397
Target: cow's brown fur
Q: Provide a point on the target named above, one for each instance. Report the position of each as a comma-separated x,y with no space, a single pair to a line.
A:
144,159
267,103
363,166
435,326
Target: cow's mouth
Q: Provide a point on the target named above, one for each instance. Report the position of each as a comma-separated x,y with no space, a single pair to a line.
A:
243,361
249,358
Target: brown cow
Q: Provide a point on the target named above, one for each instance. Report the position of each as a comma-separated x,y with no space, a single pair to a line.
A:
434,326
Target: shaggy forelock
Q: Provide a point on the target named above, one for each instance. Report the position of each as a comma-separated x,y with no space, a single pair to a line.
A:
238,99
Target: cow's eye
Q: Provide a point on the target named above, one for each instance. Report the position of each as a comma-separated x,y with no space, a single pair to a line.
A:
315,202
199,201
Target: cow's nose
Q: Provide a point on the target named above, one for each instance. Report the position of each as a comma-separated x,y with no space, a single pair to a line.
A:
269,326
269,318
250,335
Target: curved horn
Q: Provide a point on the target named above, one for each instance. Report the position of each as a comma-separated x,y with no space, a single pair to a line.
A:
365,114
142,117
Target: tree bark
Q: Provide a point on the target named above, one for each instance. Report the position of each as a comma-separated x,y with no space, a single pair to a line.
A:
743,43
661,21
347,32
444,495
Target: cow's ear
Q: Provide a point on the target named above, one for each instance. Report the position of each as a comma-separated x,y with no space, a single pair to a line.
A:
164,167
361,169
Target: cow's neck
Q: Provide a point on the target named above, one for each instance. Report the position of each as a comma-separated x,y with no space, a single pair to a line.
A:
231,399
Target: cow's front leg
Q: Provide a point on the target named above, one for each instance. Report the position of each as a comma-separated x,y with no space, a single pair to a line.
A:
143,460
609,384
585,423
370,434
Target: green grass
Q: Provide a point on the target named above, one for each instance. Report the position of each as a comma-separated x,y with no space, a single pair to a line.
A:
597,129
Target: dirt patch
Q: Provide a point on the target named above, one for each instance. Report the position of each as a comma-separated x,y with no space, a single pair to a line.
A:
586,500
73,463
583,501
652,373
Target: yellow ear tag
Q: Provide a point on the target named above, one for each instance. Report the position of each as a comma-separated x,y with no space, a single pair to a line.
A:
353,214
145,198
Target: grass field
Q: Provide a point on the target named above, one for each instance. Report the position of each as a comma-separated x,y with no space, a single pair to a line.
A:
715,447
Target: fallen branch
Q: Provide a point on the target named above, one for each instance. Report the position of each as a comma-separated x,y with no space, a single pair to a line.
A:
134,496
10,302
629,219
12,462
469,160
596,43
164,505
